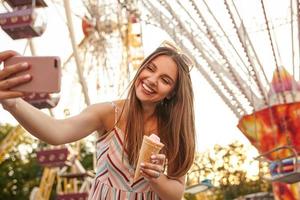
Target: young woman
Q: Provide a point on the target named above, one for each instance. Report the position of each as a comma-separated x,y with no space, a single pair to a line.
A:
160,101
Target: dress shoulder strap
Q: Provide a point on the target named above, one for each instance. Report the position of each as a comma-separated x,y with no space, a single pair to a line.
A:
116,111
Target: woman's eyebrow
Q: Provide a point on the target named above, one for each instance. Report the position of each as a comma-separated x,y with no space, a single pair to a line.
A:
167,76
152,63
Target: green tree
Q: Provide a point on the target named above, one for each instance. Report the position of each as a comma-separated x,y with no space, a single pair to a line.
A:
227,167
19,171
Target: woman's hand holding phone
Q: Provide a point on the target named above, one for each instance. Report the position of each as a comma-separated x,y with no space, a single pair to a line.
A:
7,96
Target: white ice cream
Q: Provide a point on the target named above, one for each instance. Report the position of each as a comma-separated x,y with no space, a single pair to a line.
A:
154,138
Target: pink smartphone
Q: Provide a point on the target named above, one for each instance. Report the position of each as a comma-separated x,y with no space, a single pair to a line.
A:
45,72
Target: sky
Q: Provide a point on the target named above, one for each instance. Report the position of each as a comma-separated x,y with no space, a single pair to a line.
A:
215,123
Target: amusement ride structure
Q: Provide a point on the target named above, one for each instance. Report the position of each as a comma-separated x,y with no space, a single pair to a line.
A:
247,51
108,54
251,60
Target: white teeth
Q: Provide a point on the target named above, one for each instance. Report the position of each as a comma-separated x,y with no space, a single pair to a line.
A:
147,88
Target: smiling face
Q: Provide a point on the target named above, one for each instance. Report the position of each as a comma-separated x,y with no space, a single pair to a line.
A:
156,80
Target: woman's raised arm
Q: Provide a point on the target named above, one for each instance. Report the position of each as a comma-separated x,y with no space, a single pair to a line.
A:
51,130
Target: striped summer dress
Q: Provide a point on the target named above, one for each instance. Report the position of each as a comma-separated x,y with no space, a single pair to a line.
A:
114,175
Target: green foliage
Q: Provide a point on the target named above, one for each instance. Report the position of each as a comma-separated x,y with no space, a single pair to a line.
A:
19,177
4,130
230,192
190,197
227,168
19,172
86,158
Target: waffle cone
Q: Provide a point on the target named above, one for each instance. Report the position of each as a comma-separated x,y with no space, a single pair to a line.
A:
148,148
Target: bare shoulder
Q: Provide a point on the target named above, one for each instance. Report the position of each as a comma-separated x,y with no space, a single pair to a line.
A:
108,107
120,103
105,112
100,110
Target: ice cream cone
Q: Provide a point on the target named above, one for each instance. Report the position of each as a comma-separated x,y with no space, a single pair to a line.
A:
149,147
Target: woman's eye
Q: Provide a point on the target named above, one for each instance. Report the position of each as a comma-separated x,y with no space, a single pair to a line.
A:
166,81
150,68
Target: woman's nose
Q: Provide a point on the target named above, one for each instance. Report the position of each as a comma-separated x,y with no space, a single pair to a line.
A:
152,80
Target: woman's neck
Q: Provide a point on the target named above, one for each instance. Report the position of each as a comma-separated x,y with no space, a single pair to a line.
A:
148,112
150,119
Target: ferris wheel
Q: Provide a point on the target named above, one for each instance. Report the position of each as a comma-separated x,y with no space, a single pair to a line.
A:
249,53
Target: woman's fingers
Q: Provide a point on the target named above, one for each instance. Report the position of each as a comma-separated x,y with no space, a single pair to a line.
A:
158,159
154,168
151,170
6,84
10,94
7,54
151,166
149,174
12,69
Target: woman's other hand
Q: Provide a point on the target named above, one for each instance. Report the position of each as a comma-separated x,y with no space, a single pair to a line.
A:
7,97
155,168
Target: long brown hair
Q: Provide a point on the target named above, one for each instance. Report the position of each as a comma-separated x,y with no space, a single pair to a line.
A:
176,127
